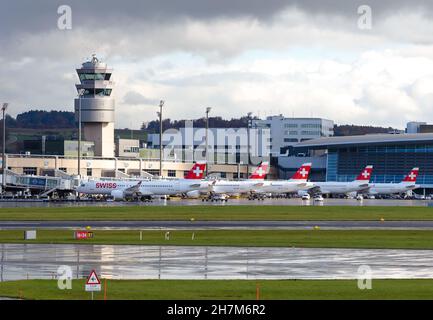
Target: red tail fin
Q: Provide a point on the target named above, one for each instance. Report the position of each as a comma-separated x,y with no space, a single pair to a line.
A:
196,172
411,177
365,175
302,173
260,172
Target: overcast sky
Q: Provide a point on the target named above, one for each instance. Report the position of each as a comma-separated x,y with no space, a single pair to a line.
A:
298,58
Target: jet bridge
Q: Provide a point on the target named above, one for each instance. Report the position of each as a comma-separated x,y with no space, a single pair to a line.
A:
41,185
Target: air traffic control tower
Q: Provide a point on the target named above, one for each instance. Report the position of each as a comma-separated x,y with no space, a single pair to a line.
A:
97,106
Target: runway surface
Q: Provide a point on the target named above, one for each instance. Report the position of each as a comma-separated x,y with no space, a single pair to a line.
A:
188,225
231,202
21,261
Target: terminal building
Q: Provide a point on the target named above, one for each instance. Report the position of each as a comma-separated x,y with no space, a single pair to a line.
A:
392,156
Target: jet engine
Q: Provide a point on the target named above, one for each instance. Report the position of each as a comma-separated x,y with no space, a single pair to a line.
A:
118,195
193,194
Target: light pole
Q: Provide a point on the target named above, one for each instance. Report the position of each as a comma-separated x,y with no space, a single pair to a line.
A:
80,95
208,109
4,107
248,142
161,104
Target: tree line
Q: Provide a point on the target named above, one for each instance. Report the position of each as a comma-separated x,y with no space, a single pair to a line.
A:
40,119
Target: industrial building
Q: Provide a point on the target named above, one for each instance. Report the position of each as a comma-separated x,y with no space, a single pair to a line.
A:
419,127
58,147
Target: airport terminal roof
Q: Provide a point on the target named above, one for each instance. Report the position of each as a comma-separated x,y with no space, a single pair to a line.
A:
366,140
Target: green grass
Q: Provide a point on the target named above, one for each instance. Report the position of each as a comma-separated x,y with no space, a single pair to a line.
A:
218,213
391,239
223,289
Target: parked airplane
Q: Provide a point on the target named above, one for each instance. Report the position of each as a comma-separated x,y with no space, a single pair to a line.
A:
408,183
296,183
224,189
145,189
361,183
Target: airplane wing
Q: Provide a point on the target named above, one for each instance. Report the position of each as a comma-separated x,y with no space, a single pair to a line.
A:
314,190
135,188
145,193
195,185
258,184
302,184
364,185
211,186
365,188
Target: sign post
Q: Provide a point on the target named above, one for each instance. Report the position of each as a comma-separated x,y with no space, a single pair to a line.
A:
93,283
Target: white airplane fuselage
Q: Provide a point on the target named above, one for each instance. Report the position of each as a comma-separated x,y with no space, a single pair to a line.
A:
150,187
391,188
234,187
331,187
284,186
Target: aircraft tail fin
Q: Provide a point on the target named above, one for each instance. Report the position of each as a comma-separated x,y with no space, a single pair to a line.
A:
196,172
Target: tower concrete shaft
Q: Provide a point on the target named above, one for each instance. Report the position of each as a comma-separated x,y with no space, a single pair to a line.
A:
97,105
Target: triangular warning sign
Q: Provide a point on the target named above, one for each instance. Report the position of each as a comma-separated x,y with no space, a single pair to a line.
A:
93,278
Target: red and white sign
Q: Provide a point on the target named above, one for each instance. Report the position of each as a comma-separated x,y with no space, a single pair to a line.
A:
83,235
93,283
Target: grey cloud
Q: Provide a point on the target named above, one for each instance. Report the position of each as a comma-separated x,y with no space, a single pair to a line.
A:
135,31
33,16
214,79
136,98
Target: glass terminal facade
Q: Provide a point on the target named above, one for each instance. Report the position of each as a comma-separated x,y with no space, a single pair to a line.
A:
391,162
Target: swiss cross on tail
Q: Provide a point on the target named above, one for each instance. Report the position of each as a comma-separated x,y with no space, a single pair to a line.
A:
411,177
302,173
365,175
197,171
260,172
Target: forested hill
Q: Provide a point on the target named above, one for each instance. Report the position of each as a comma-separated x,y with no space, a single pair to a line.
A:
352,130
38,119
214,122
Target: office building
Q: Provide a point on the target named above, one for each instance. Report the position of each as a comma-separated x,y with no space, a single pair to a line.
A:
286,132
